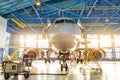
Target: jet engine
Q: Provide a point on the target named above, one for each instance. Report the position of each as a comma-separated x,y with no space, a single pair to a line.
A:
94,54
31,54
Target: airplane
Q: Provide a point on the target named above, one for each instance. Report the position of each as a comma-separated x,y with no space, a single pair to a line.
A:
62,38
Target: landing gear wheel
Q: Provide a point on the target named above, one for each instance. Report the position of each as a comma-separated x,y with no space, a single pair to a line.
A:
99,70
81,61
77,61
61,67
26,75
15,74
49,60
45,61
66,68
6,76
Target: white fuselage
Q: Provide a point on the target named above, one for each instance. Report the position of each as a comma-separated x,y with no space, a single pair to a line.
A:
62,34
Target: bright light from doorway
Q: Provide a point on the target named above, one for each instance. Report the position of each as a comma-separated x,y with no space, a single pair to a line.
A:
105,41
33,41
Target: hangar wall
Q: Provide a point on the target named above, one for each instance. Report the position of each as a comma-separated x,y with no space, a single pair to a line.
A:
3,25
110,43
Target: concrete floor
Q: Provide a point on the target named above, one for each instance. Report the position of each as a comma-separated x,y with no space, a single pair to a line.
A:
110,71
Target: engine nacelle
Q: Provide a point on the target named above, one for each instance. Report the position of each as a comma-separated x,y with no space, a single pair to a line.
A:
31,54
94,54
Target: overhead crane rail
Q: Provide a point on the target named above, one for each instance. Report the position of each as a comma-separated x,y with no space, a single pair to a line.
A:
95,8
19,23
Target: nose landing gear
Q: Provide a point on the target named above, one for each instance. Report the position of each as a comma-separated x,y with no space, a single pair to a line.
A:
64,65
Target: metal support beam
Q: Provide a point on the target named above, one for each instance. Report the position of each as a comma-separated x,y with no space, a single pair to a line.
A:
71,17
113,47
25,3
74,5
95,22
113,5
90,11
15,4
25,10
24,23
61,9
28,26
112,15
10,29
35,11
81,13
15,27
116,29
55,12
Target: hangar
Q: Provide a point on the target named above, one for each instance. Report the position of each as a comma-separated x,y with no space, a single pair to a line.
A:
60,39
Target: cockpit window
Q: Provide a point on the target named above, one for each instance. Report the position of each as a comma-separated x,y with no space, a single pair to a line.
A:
64,20
69,21
59,21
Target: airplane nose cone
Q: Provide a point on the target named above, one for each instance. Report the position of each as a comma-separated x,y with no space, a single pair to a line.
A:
64,41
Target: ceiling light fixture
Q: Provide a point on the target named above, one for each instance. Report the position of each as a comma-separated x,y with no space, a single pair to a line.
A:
38,3
106,20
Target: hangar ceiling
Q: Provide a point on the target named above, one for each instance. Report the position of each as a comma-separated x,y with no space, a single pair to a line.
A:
97,16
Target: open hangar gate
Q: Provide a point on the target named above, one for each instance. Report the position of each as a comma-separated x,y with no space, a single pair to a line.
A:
24,22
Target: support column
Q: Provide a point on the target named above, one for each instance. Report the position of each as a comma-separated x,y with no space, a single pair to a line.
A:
25,41
37,38
113,47
98,41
